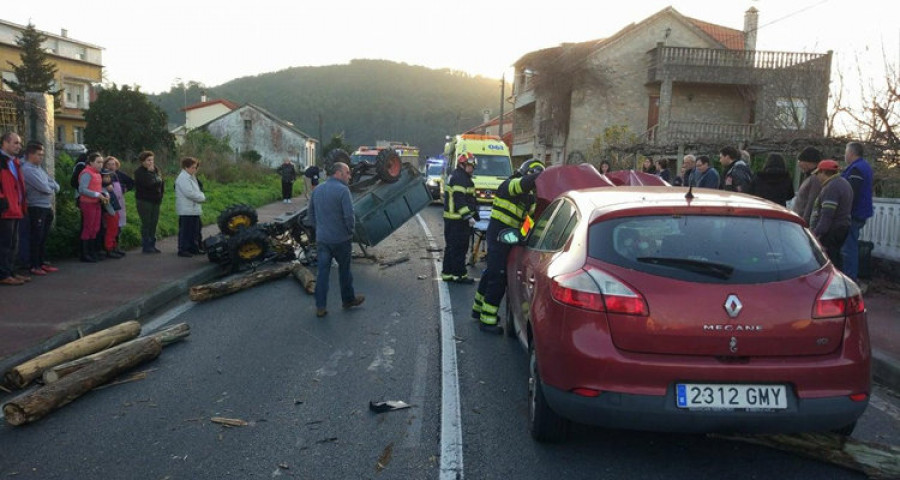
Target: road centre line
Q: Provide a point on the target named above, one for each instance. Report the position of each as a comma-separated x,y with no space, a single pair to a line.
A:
451,423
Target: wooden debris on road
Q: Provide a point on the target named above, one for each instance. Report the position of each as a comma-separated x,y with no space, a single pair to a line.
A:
306,278
34,405
229,422
878,461
166,336
23,374
221,288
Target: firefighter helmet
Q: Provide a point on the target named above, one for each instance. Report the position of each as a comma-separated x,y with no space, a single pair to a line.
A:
467,158
531,166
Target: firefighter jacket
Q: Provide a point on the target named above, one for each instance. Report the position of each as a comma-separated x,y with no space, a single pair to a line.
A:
514,199
459,196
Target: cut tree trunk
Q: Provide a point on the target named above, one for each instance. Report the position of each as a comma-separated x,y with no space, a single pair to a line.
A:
23,374
209,291
34,405
165,336
875,460
306,278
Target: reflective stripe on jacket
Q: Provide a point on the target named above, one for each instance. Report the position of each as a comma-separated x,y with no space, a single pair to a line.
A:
459,196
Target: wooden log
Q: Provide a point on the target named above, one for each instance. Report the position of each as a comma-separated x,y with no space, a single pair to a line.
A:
34,405
23,374
166,336
876,460
395,261
200,293
306,278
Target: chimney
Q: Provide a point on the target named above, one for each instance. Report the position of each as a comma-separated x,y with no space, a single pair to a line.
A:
64,33
203,96
751,25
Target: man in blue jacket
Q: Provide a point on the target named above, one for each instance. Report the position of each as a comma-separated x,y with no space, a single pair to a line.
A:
706,176
859,174
331,211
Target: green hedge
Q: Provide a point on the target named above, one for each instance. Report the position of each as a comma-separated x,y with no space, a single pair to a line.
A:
63,240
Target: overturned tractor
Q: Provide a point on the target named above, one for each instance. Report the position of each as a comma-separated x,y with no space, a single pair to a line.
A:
385,195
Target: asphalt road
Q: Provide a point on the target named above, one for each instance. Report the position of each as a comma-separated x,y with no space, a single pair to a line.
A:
304,385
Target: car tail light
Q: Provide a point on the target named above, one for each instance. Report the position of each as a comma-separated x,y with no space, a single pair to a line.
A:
859,397
839,298
595,290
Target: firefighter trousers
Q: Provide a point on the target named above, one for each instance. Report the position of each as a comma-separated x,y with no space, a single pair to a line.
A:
492,286
456,245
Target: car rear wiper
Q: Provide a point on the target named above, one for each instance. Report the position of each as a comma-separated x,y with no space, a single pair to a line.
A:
712,269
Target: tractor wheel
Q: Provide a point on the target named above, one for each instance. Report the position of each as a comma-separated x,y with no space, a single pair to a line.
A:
236,218
248,245
388,165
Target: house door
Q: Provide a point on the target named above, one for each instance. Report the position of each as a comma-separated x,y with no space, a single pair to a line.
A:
653,116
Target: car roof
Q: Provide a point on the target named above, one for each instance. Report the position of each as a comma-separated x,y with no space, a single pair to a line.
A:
631,201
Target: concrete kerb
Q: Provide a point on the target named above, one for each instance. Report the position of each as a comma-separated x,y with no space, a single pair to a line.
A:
137,309
886,370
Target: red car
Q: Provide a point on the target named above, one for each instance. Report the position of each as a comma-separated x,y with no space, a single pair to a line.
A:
646,308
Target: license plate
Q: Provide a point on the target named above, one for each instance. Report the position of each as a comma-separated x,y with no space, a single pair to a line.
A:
731,397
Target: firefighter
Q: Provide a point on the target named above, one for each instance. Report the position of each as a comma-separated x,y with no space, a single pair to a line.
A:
460,215
513,201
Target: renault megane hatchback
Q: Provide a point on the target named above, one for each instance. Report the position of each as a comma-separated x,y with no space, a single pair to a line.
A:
645,308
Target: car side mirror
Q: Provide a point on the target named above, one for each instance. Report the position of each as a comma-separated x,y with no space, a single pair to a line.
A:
510,236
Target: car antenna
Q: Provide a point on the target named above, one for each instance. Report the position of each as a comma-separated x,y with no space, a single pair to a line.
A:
690,193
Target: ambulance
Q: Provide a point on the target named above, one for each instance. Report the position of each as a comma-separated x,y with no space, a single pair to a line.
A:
493,167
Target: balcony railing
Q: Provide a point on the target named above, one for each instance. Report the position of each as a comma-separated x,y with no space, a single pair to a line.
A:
693,132
719,65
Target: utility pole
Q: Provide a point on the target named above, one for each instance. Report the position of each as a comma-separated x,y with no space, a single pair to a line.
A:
502,95
321,140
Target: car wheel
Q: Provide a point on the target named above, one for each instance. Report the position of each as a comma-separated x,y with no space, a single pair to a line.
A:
249,245
235,218
508,323
545,424
388,165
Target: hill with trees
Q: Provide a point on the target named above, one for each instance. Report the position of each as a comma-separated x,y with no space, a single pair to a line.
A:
365,100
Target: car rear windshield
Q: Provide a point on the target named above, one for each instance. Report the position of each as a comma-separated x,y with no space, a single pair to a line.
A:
434,169
710,249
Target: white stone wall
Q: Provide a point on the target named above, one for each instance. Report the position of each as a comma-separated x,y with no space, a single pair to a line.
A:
271,139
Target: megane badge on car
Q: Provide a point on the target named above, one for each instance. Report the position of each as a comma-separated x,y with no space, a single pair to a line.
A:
733,306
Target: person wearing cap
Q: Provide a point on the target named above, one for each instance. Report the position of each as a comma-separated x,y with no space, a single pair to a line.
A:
810,186
460,215
859,174
830,221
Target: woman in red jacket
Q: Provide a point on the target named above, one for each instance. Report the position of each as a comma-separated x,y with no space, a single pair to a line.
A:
90,197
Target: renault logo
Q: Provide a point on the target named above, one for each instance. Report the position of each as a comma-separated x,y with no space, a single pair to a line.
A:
733,306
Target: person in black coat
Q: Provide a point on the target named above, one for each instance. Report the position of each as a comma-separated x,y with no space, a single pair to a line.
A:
773,182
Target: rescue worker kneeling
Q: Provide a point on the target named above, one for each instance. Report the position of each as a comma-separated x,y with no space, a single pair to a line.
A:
513,201
460,215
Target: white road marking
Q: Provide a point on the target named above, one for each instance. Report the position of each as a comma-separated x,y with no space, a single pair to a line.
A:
451,423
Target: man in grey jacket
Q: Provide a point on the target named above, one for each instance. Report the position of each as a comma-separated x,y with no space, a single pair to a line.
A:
830,220
330,209
39,191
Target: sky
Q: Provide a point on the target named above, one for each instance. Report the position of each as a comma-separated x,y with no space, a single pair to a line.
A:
158,44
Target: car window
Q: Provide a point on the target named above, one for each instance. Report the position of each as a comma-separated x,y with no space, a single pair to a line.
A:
558,229
702,248
537,232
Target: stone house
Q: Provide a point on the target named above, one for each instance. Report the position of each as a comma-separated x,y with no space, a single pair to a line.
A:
666,83
251,128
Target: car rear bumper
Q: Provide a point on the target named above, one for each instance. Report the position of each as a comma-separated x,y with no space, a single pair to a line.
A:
659,413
